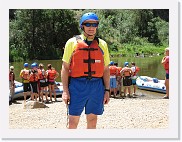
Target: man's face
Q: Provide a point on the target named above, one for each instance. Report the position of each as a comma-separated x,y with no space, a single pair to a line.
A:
90,27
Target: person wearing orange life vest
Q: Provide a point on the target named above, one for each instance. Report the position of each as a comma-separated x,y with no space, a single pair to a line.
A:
52,74
33,78
85,73
118,79
24,74
43,82
11,82
113,83
38,82
135,70
126,72
165,63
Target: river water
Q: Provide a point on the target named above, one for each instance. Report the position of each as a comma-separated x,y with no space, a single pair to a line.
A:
149,66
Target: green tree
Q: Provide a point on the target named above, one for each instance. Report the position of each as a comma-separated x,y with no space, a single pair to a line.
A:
41,34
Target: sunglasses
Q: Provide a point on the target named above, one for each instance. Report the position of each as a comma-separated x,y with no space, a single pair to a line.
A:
91,24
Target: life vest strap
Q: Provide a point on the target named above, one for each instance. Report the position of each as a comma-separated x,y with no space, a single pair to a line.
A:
88,49
89,61
87,77
90,73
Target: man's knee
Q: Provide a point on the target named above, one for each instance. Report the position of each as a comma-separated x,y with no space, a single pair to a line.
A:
91,121
73,122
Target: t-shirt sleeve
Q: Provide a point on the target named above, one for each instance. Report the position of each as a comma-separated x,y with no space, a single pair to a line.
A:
69,48
104,47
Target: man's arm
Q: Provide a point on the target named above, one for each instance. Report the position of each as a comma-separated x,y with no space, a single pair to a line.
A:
64,78
106,78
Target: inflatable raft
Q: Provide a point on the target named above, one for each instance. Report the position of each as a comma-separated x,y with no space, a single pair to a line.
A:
151,84
19,89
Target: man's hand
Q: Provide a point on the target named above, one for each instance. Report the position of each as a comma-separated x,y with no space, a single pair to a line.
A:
66,97
106,97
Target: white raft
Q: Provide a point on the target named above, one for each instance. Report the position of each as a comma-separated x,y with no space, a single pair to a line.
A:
151,84
19,89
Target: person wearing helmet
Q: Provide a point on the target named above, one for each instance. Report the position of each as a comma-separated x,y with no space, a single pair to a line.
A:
113,73
85,73
24,74
33,79
126,73
39,88
11,82
119,80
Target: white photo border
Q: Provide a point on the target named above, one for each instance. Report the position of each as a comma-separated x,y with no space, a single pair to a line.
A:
171,133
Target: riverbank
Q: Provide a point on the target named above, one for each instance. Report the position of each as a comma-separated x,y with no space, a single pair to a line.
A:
140,113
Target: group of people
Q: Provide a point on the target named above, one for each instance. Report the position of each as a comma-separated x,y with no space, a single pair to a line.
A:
86,75
36,81
126,74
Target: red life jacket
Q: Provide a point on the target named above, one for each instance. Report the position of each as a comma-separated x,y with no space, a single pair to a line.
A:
87,61
166,66
10,74
119,69
113,70
51,75
137,69
33,77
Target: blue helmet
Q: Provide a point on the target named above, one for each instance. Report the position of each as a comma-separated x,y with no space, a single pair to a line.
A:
25,64
111,63
88,16
33,65
126,64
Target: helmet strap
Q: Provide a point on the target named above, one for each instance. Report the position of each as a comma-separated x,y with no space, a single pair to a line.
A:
88,35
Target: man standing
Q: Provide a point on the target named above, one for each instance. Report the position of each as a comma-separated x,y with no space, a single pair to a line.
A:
24,74
113,73
85,73
126,72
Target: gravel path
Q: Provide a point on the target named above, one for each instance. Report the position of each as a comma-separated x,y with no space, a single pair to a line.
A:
142,112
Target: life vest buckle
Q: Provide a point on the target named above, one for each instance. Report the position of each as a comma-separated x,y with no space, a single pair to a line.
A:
89,77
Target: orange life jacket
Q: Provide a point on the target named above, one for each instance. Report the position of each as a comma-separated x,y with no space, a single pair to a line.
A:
87,61
42,74
113,70
126,71
51,75
118,72
25,74
10,74
33,77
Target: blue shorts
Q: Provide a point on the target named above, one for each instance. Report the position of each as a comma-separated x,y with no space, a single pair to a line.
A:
88,94
133,81
113,83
